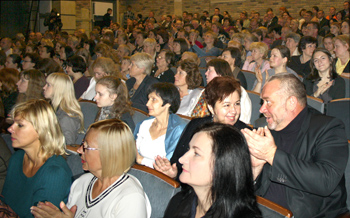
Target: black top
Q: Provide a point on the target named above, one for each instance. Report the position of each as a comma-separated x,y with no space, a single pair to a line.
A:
140,98
183,143
301,69
166,76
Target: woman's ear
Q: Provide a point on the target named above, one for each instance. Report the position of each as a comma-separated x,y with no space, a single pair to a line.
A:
211,109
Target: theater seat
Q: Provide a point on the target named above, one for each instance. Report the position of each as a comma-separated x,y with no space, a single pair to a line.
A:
139,115
158,187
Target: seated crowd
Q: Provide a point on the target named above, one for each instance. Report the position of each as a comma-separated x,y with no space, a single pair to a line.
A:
188,74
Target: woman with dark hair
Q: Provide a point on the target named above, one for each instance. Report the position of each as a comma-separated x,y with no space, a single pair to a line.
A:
159,134
233,57
217,167
217,68
90,46
30,61
14,61
224,104
162,71
8,89
188,80
48,66
76,67
301,64
179,47
278,62
46,51
30,85
65,53
113,100
323,81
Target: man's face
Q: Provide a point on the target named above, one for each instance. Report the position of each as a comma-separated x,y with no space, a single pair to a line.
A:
216,11
178,24
346,5
307,17
151,14
332,10
109,11
320,14
284,33
274,106
270,15
5,44
242,16
311,30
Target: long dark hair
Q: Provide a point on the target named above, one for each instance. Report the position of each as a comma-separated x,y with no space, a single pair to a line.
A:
232,190
314,72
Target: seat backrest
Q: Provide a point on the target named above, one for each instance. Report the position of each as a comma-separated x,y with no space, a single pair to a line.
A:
340,108
187,119
270,209
347,86
74,161
89,110
316,103
255,99
158,187
139,115
347,179
250,78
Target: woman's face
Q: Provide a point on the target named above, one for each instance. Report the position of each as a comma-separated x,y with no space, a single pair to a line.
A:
10,64
90,159
151,35
29,49
226,55
197,162
309,49
228,110
247,44
334,30
62,54
121,41
328,44
103,97
149,49
23,134
27,63
340,49
154,105
276,59
345,28
210,74
139,40
48,90
22,85
291,44
256,54
135,70
161,62
99,73
125,65
209,39
58,47
322,62
285,16
338,15
177,48
180,78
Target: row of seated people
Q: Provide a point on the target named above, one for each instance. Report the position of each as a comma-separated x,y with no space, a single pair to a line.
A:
212,160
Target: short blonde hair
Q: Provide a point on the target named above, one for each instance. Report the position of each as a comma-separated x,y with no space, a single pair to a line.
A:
150,41
261,47
192,57
43,118
143,60
117,144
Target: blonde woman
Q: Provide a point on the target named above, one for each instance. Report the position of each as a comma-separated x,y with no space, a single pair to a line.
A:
259,55
37,171
341,49
107,190
101,67
59,89
149,47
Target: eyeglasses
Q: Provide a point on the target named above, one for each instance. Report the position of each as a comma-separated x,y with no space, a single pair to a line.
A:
88,148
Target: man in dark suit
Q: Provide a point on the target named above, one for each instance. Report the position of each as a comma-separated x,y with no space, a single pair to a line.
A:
107,18
324,23
272,20
300,159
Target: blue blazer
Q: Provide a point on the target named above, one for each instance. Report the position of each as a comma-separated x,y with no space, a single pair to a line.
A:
175,127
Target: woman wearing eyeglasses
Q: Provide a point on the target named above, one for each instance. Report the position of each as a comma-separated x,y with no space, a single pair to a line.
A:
107,191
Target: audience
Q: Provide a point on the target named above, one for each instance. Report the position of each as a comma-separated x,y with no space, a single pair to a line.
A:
100,68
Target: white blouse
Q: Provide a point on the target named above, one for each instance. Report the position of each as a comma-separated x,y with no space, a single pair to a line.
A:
147,147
